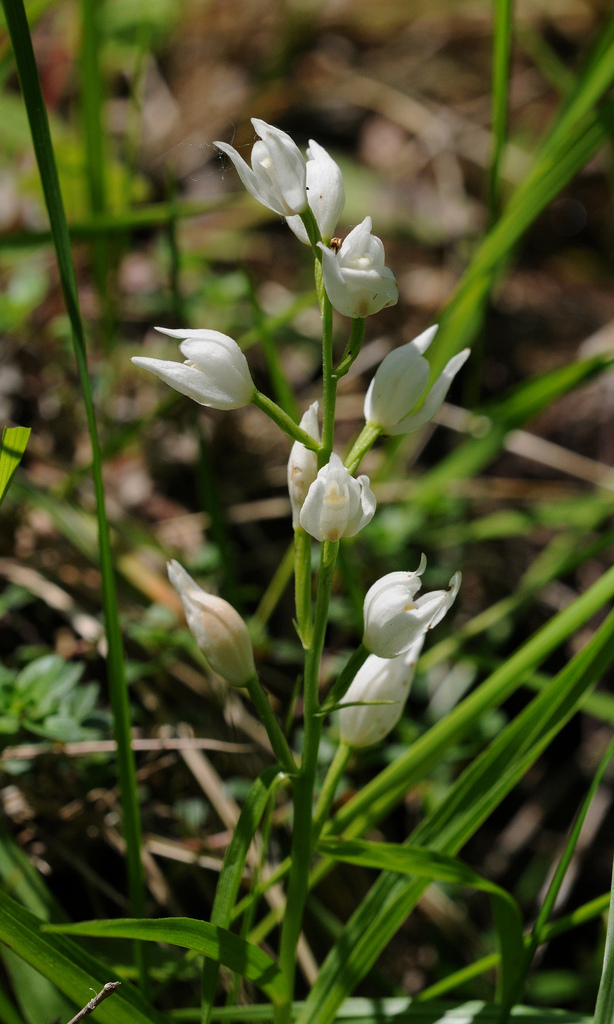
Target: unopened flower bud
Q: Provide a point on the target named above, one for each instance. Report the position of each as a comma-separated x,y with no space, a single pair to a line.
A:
303,464
218,629
325,194
401,380
277,177
215,372
337,505
394,618
379,679
356,279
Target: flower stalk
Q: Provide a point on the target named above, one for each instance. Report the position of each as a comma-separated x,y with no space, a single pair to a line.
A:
304,783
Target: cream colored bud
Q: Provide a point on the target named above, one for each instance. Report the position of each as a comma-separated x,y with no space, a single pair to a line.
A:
379,679
357,281
218,629
215,372
337,505
303,464
401,381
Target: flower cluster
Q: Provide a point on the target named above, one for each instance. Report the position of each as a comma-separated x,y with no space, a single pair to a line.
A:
328,502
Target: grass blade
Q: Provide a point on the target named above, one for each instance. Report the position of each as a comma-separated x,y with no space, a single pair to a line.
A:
604,1009
217,943
476,794
12,446
39,126
232,871
70,968
502,49
424,863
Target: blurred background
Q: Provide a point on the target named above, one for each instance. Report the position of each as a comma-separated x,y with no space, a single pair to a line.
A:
400,95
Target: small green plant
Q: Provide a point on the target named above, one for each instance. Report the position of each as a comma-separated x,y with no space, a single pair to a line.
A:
48,699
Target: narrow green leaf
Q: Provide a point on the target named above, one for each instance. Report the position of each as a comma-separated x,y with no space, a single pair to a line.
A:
232,871
502,48
9,1014
218,943
426,863
70,968
12,446
397,1010
604,1009
39,126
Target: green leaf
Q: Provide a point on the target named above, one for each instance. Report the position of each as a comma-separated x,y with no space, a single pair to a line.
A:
425,863
217,943
21,40
232,871
604,1009
396,1010
12,446
70,968
577,134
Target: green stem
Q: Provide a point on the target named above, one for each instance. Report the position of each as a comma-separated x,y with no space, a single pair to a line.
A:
327,793
329,380
281,418
281,388
313,232
345,678
302,585
501,61
272,726
365,440
353,347
304,784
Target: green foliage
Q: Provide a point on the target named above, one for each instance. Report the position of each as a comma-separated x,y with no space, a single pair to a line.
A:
12,446
461,757
45,698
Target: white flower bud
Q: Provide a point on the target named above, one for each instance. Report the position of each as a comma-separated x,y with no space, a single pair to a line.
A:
337,505
218,629
394,618
303,464
356,280
277,177
399,383
215,372
325,194
379,679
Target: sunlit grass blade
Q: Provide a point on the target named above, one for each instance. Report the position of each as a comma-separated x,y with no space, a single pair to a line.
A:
39,126
481,788
217,943
232,871
502,49
73,970
396,1010
604,1009
536,936
553,169
411,860
508,413
12,446
37,997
